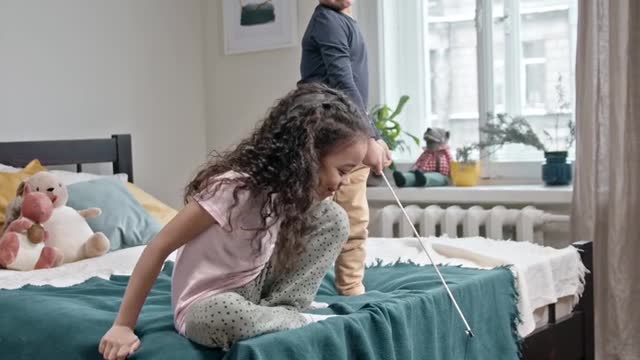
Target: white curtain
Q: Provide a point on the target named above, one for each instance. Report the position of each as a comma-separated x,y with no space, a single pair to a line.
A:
606,204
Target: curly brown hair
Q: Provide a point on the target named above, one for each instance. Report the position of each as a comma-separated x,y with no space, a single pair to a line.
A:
281,161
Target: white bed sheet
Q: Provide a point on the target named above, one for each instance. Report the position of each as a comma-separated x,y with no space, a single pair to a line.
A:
120,262
544,275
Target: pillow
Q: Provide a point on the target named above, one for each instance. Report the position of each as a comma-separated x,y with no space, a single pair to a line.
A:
9,169
9,182
161,212
123,220
70,177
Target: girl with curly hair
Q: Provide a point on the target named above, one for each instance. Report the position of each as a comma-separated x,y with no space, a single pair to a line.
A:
258,230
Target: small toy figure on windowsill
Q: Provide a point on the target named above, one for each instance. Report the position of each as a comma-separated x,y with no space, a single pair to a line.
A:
433,166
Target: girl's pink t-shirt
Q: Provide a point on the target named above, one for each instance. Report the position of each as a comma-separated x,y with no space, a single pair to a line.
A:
225,256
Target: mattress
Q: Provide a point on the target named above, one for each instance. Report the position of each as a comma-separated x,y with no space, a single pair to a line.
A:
378,250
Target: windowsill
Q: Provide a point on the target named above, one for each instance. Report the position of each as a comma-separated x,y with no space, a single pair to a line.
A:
483,194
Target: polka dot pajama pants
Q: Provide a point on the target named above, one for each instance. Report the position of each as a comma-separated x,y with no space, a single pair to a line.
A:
271,302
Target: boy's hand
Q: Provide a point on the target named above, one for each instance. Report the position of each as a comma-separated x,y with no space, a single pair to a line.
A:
378,156
118,343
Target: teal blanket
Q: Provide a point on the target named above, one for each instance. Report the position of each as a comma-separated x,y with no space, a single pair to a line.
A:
405,314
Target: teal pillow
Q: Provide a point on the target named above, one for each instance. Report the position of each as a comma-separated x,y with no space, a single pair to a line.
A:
123,220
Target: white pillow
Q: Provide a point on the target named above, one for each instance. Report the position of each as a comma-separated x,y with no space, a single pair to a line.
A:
70,177
8,169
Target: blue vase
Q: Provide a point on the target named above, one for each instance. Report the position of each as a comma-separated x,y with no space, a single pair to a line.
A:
556,170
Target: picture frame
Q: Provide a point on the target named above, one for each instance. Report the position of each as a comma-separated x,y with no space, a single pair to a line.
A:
258,25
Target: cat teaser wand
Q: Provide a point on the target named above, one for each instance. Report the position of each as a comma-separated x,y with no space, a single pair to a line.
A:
455,303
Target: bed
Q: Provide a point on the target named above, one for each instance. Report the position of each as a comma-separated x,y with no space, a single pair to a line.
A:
396,319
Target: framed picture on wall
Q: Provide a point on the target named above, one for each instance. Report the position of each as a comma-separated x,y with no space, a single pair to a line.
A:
256,25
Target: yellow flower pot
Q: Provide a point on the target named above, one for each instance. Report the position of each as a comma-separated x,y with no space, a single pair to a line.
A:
465,174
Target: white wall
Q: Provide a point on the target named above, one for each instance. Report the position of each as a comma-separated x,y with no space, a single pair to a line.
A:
241,87
78,69
153,68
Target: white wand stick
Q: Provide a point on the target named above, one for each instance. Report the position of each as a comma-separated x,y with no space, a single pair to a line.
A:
466,324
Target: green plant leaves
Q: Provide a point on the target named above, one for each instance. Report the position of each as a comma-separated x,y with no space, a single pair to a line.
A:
390,129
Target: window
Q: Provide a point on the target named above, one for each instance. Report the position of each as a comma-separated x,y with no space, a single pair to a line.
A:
453,69
479,56
534,63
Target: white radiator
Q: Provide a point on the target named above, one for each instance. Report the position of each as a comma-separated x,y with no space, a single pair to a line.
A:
495,223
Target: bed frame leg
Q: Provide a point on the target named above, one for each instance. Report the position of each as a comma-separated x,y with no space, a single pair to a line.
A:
586,302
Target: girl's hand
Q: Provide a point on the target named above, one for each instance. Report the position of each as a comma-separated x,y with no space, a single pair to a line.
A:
378,156
118,343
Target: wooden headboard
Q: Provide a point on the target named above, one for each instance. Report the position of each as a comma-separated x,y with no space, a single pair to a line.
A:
115,150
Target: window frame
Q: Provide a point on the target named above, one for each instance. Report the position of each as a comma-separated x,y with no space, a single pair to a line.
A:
514,80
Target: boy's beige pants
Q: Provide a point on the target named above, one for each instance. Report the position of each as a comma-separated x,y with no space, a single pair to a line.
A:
349,267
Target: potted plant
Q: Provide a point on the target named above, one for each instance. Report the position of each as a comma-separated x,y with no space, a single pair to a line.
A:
557,170
503,129
384,119
465,171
